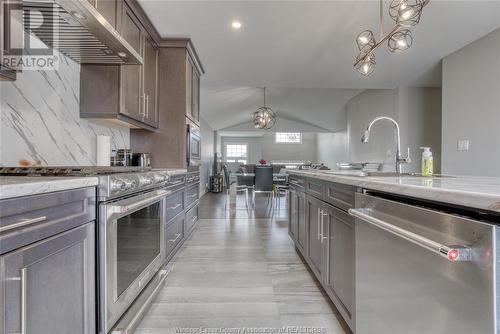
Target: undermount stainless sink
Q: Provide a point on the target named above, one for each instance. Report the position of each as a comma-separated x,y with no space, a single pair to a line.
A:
378,174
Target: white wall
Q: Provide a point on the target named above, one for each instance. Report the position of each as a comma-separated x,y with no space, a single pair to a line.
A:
471,108
306,151
418,112
207,154
40,120
360,111
332,148
265,148
420,123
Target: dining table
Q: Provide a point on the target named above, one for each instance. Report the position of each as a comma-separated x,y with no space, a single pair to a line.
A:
277,177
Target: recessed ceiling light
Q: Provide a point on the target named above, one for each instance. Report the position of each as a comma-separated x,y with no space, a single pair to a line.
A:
236,24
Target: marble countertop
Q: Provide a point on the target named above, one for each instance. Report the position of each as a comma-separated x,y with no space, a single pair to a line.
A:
18,186
474,192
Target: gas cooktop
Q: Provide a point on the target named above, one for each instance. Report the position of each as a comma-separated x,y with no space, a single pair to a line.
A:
70,170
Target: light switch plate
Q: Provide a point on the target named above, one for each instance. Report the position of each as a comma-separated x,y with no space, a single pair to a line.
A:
463,145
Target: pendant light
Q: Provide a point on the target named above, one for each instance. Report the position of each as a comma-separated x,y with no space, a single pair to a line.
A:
405,13
264,118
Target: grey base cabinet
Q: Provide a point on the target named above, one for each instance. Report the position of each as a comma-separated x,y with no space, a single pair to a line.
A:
315,252
324,234
182,211
48,287
297,215
339,276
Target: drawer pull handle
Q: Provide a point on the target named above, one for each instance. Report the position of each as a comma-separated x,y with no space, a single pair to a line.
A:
23,299
193,195
174,207
177,236
23,223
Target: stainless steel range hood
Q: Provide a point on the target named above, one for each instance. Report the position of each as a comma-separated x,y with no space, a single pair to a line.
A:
76,29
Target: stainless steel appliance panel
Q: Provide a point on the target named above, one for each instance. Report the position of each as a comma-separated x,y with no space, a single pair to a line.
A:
193,145
421,271
133,237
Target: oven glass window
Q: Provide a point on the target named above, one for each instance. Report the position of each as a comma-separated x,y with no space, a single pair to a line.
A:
138,244
195,148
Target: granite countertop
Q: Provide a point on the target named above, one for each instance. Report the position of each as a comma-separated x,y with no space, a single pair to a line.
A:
17,186
474,192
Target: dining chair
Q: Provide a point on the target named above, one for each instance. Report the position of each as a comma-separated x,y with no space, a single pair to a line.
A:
264,182
228,183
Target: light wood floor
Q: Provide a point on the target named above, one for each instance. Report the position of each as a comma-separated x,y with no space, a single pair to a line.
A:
239,273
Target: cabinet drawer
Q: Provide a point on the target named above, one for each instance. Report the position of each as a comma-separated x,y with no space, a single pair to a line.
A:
314,188
28,219
191,219
193,178
174,234
176,181
174,204
340,195
296,182
192,194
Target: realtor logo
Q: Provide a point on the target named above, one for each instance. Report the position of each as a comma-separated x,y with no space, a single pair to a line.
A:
20,49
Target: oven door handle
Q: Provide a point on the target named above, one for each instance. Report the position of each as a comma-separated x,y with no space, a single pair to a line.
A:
188,144
452,253
126,208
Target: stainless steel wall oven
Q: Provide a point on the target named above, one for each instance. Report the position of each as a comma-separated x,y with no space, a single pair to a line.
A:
193,145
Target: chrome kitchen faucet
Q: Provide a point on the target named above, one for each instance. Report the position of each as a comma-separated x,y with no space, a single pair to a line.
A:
399,158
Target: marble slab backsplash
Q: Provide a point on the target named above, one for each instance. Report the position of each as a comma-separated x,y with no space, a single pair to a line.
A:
40,120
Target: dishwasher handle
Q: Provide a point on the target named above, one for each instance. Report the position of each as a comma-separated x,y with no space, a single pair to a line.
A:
453,253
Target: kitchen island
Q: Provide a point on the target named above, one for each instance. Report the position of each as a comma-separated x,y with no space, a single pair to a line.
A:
401,253
481,193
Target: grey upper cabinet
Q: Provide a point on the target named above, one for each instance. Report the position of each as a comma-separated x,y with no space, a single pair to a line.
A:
339,274
150,81
196,97
192,92
49,286
110,10
189,89
11,37
126,94
133,100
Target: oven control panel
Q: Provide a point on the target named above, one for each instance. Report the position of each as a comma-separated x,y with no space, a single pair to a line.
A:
123,184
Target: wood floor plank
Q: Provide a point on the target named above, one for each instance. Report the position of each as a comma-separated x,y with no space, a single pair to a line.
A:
239,273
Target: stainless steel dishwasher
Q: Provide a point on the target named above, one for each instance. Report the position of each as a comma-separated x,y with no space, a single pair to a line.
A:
422,271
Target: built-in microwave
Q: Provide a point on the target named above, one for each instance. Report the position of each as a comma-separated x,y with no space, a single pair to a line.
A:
193,145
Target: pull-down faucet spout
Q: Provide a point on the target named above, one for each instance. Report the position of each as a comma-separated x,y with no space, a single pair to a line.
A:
399,158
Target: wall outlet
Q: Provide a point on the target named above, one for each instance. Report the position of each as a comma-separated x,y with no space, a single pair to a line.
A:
463,145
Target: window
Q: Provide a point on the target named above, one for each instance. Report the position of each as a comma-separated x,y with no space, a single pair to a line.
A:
236,153
289,137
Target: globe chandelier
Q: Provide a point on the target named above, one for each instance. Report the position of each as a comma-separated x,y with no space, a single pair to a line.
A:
264,118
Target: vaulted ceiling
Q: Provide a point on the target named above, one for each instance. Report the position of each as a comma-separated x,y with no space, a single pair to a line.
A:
304,51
